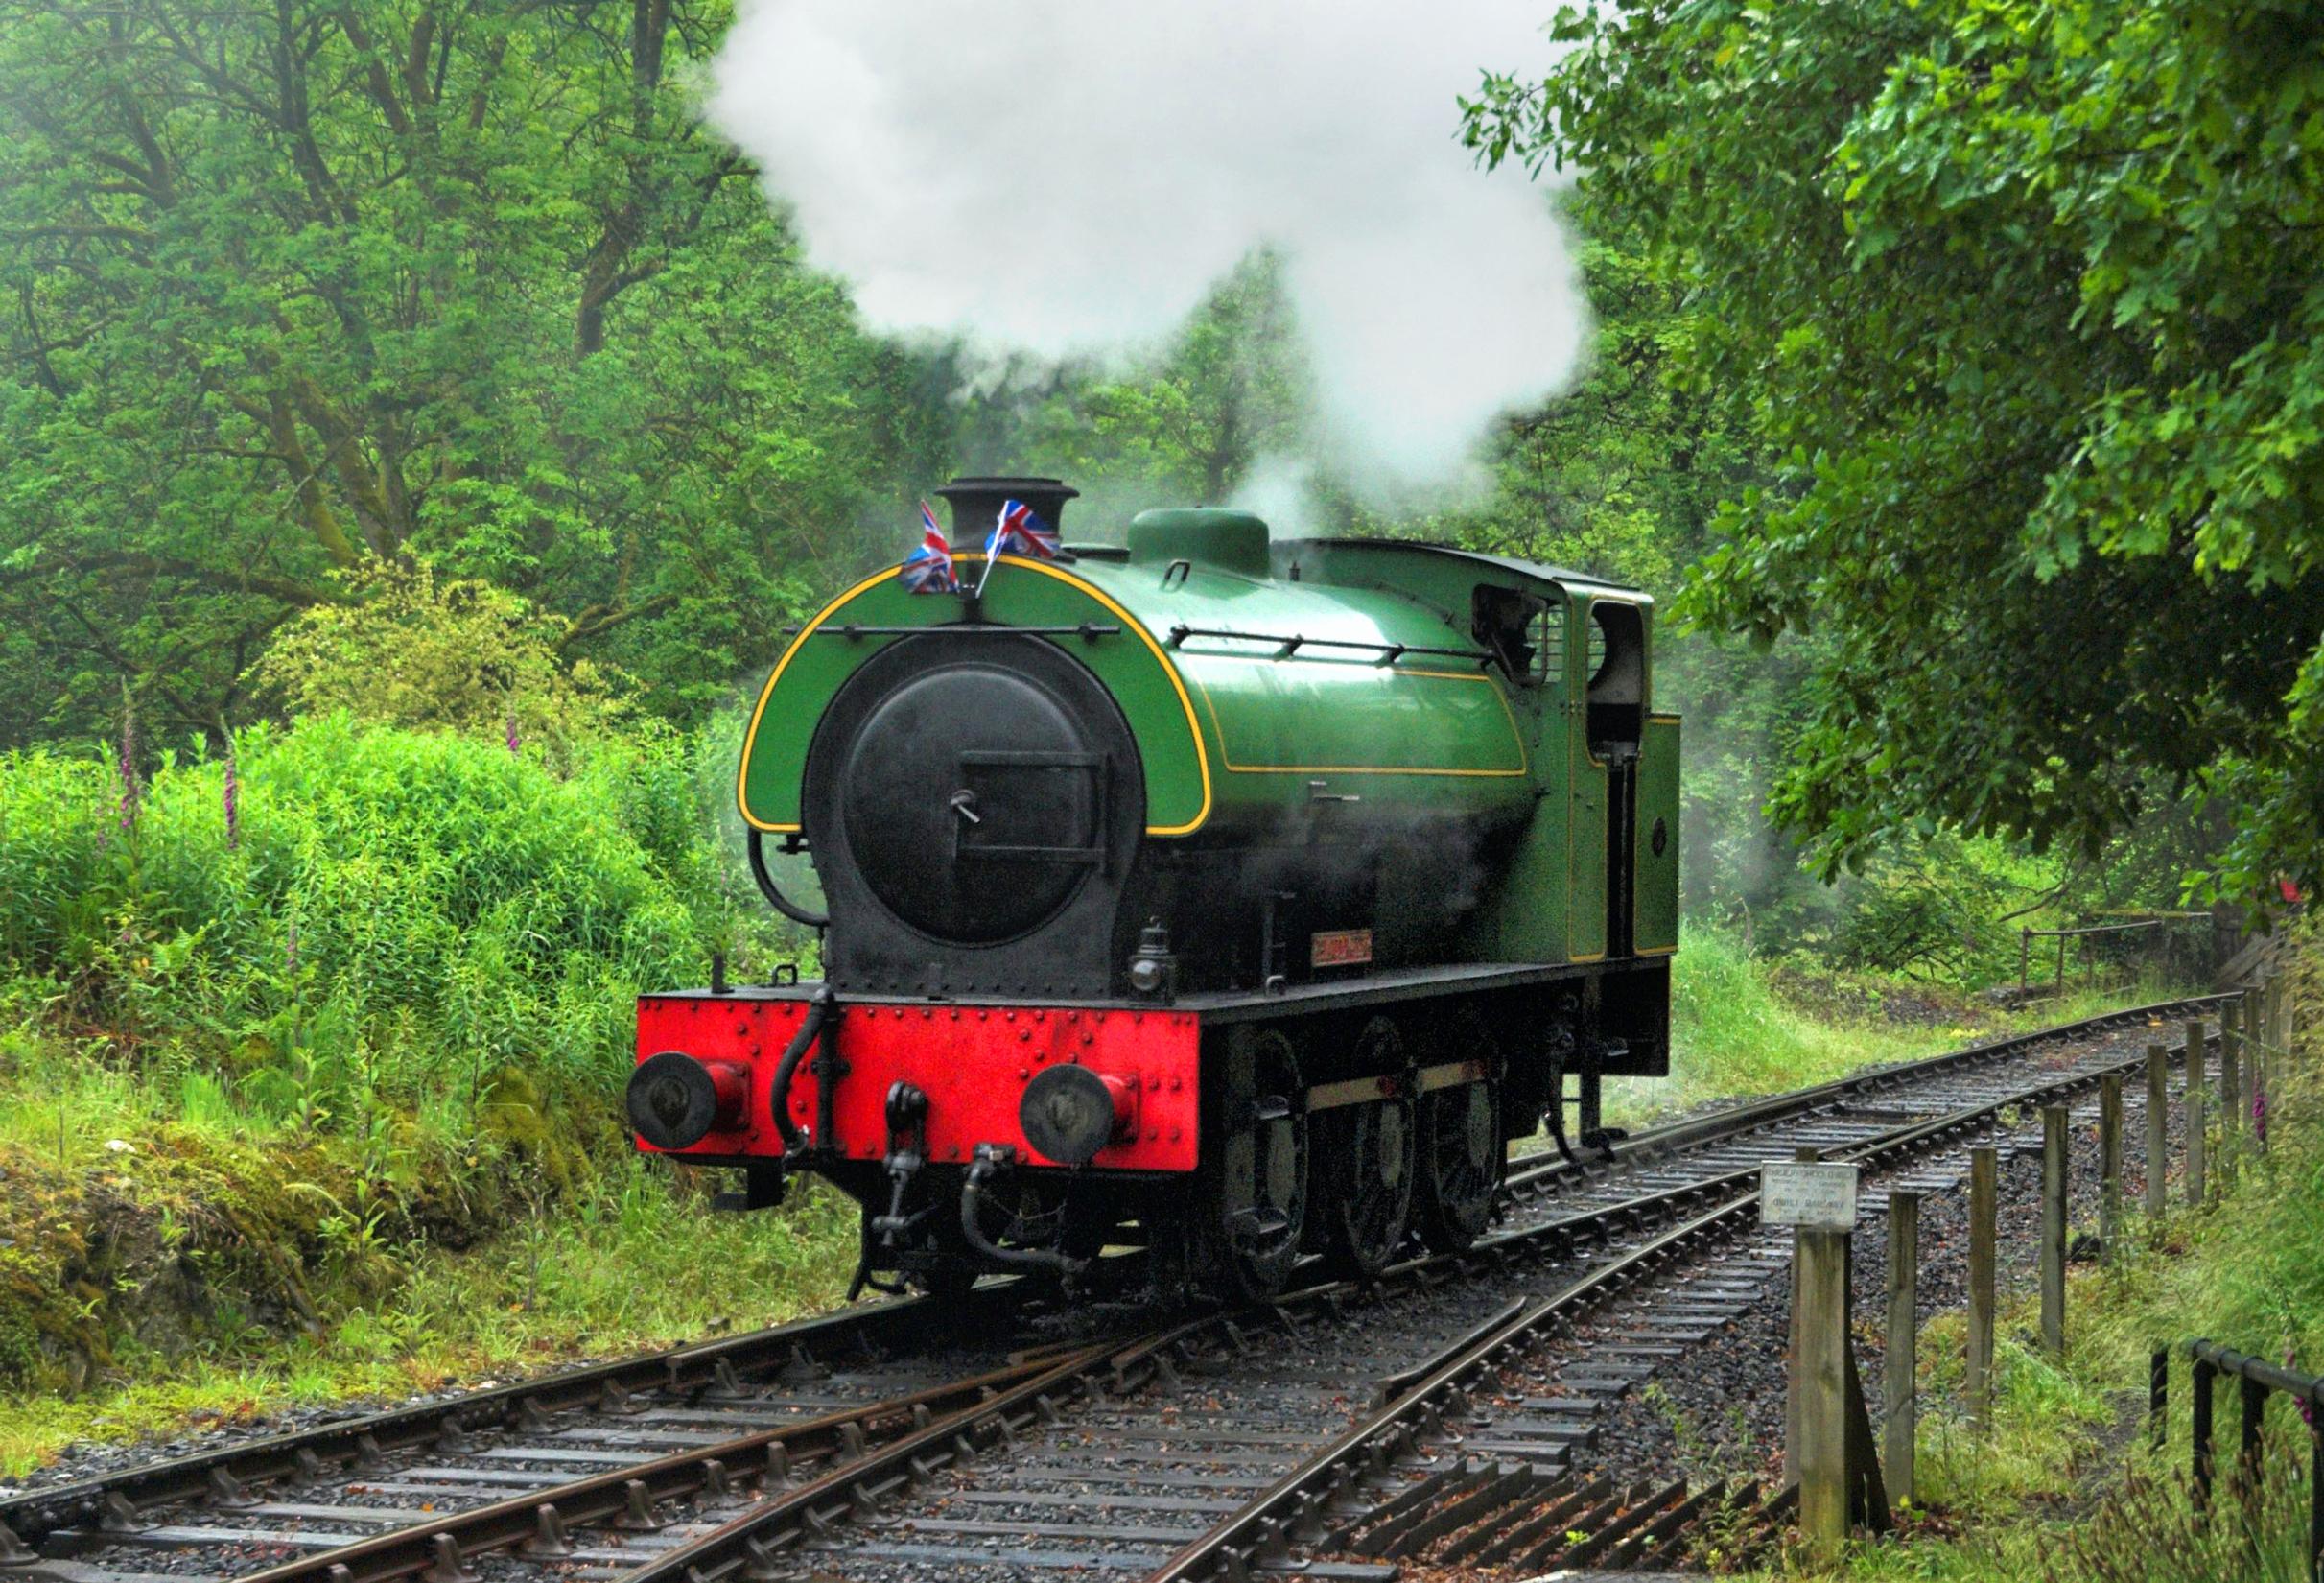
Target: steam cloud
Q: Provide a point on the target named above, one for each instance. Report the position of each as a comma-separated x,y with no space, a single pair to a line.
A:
1064,177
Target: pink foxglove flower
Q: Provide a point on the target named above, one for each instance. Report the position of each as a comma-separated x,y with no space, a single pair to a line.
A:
233,798
131,792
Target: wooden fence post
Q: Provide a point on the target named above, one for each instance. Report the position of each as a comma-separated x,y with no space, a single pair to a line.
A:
2315,1498
2256,1033
1822,1386
2231,1094
1985,1182
2264,1036
2158,1128
2250,1421
2109,1163
2053,1231
1900,1368
2199,1436
2158,1396
1805,1156
2196,1123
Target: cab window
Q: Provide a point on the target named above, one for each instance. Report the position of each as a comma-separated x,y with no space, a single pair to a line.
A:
1524,633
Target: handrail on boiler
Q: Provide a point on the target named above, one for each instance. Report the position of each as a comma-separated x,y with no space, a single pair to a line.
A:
1286,648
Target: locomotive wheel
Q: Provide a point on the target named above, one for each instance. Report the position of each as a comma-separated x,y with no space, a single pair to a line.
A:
1255,1209
1368,1155
1463,1152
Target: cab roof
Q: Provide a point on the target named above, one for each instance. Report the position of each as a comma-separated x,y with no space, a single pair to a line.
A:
1531,569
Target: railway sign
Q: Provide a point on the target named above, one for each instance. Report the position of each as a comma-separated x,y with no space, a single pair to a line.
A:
1812,1198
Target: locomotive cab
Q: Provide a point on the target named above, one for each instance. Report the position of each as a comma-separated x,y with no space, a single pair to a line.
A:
1234,896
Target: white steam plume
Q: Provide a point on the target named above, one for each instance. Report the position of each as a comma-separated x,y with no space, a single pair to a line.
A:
1069,175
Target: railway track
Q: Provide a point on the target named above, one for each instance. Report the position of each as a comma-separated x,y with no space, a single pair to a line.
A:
1017,1435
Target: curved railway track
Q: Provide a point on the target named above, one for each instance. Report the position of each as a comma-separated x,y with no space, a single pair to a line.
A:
1015,1436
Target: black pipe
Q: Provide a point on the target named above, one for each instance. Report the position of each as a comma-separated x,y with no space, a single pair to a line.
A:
989,1158
795,1141
773,892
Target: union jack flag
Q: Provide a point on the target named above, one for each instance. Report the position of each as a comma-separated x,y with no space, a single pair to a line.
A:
928,569
1019,529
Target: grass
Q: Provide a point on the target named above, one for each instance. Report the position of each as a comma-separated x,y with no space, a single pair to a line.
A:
637,1261
1741,1026
310,1090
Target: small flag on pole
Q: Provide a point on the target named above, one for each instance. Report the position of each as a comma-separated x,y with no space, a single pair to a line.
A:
1017,529
928,569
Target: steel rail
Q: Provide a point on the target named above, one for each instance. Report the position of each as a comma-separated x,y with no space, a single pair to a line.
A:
1532,1177
540,1522
357,1444
1293,1509
751,1544
756,1539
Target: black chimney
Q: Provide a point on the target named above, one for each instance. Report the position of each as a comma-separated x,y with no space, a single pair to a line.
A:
975,504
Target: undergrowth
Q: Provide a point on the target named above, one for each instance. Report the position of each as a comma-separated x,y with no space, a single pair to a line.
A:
373,917
310,1067
1742,1025
632,1259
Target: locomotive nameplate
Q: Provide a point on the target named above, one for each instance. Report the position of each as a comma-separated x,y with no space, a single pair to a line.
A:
1812,1198
1340,948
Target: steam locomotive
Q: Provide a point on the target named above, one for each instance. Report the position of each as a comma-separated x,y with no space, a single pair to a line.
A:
1233,896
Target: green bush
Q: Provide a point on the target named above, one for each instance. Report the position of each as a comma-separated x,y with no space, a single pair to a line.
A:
397,915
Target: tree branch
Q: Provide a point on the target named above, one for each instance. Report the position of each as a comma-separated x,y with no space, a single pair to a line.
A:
597,619
140,563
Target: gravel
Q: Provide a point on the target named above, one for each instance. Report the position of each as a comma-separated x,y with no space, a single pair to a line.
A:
1721,1415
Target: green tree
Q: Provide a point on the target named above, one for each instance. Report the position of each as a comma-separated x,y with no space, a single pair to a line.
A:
462,655
2019,303
287,286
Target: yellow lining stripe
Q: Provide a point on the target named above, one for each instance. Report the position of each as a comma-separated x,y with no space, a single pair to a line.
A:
751,737
1516,734
1130,623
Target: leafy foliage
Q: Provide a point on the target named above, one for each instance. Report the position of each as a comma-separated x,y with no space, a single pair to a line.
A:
2017,302
403,916
462,655
295,287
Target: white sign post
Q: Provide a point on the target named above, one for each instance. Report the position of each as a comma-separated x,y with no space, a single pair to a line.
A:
1818,1200
1809,1197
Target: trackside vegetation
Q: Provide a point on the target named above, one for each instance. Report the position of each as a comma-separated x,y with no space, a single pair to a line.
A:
312,1063
2012,307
